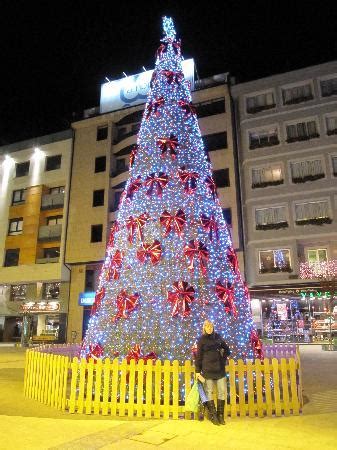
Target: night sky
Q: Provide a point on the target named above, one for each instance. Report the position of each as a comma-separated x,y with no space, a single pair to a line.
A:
55,54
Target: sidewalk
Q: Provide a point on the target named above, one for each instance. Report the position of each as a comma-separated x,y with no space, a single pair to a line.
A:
27,424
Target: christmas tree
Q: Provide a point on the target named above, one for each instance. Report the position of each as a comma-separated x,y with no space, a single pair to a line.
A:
170,262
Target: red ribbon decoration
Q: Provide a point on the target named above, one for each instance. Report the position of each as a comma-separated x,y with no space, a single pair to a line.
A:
172,76
196,249
134,186
98,300
181,297
175,222
210,224
168,145
125,304
256,344
211,186
136,354
136,224
95,352
225,293
113,230
133,154
176,45
114,266
189,179
154,106
152,251
188,108
153,78
233,260
156,182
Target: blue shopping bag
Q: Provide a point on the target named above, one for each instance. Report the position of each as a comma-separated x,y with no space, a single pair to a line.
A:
202,394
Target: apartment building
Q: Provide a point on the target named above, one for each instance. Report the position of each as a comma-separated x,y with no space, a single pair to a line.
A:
103,141
287,145
34,282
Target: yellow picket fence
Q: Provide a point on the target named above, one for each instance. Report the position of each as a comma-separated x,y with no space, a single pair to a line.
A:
158,390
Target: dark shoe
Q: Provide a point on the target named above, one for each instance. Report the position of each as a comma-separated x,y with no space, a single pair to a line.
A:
212,415
220,412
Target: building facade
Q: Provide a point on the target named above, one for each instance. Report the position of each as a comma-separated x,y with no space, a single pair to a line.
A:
34,282
287,144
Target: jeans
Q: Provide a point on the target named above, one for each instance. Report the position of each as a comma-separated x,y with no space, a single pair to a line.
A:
221,386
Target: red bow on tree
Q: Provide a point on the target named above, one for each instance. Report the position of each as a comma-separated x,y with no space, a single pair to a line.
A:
175,222
161,49
246,290
156,181
114,266
136,224
256,345
95,352
233,260
152,251
134,186
168,145
136,354
189,179
181,297
198,250
211,186
176,45
226,294
153,78
209,224
188,108
173,76
133,154
113,230
153,107
125,304
98,300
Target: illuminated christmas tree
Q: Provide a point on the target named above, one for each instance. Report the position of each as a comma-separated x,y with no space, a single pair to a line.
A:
170,262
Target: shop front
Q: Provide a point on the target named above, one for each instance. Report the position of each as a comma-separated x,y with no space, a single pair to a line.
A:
294,314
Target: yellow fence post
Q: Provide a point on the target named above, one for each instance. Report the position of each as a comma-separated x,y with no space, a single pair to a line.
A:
98,386
175,387
232,385
131,384
106,386
167,388
140,388
267,387
241,379
157,388
73,385
250,387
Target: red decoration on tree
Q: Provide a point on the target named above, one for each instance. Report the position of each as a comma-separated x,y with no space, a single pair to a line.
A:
188,108
98,300
125,304
256,345
157,182
113,230
153,78
233,260
134,186
196,249
152,251
136,224
210,224
114,266
133,154
176,45
95,352
189,179
136,354
211,186
175,222
225,293
181,297
171,76
153,107
168,145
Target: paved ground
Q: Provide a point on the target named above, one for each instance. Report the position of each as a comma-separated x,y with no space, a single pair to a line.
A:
29,425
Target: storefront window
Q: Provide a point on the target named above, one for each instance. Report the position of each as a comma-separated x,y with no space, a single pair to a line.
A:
51,291
272,261
18,292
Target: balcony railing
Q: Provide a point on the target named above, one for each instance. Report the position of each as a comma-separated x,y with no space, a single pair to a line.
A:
47,260
50,201
50,232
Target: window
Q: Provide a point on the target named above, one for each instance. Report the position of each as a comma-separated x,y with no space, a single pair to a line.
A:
329,87
317,255
227,215
215,141
272,218
52,252
331,125
96,233
98,198
206,109
267,176
312,213
302,131
117,197
100,164
89,280
221,178
263,138
120,165
102,133
19,196
22,169
273,261
306,171
54,220
53,162
51,291
18,292
297,94
15,226
57,190
12,257
334,165
260,102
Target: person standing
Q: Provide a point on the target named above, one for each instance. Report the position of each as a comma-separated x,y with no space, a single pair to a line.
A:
212,352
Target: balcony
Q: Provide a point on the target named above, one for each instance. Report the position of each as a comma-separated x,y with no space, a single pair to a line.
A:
50,233
306,178
50,201
47,260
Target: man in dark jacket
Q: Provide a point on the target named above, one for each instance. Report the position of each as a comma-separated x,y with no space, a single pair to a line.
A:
210,361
